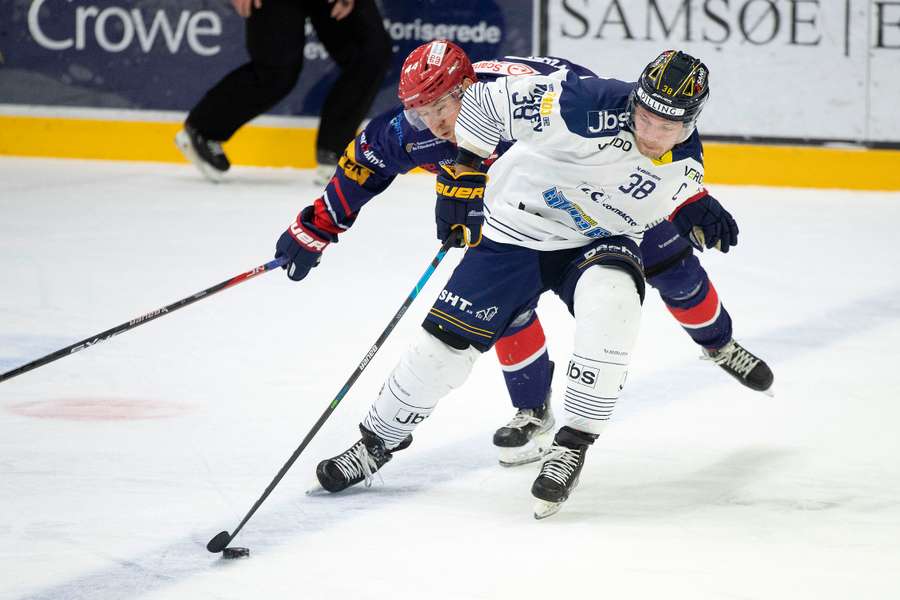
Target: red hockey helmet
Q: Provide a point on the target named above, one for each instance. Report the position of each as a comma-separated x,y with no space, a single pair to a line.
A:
431,71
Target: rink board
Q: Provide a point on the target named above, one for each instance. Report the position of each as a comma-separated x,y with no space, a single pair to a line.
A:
293,146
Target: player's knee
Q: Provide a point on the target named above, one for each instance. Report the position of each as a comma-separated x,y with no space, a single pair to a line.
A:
605,289
431,359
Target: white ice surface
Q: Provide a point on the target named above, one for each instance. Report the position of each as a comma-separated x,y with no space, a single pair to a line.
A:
698,489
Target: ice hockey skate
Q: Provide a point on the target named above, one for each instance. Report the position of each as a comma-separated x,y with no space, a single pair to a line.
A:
356,464
743,365
207,155
526,437
560,471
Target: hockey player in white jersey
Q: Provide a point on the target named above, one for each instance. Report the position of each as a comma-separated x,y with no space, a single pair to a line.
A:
566,208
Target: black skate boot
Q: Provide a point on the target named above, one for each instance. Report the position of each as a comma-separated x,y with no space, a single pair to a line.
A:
741,364
527,435
560,471
206,154
358,463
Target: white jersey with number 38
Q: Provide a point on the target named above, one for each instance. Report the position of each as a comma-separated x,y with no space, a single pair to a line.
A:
574,173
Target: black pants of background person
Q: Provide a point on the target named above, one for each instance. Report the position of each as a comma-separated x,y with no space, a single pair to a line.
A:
275,38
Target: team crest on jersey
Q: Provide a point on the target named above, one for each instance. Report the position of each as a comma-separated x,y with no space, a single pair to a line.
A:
554,198
535,107
502,67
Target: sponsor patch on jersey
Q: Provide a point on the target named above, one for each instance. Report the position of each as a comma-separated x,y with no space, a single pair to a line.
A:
486,314
369,152
554,198
606,120
535,107
352,169
502,67
436,54
454,300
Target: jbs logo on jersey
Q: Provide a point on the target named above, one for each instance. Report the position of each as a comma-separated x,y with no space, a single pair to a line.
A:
502,67
604,120
461,192
307,240
452,299
583,374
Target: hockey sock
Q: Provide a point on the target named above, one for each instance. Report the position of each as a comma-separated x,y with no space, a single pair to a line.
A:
523,356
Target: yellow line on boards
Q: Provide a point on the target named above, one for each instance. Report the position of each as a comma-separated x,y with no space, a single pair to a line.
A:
257,145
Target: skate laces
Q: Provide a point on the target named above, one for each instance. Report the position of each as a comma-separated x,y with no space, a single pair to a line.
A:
524,417
356,463
560,463
734,358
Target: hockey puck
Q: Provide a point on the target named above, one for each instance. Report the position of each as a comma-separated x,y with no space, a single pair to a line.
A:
235,552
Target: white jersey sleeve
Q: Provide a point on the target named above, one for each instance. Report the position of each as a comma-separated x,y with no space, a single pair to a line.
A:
509,109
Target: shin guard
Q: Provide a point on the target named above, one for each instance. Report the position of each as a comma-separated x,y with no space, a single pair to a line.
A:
607,317
427,372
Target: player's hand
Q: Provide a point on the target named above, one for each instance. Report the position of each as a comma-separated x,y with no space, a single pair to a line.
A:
460,204
341,8
705,222
243,7
302,244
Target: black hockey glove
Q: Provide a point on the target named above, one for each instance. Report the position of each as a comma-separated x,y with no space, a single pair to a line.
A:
705,222
302,244
460,204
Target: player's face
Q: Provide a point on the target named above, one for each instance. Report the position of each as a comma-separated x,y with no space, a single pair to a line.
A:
440,115
654,135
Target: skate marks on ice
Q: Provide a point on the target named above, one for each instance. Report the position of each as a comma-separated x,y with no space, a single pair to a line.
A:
278,523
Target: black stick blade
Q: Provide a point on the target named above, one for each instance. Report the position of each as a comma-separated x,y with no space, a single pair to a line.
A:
218,543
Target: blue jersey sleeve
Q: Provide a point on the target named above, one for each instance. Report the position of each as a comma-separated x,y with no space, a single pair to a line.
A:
367,167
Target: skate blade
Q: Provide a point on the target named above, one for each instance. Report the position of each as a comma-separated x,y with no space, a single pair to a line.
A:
316,489
770,392
544,509
183,142
531,452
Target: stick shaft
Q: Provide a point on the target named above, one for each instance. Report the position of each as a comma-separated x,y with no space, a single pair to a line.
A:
352,379
146,318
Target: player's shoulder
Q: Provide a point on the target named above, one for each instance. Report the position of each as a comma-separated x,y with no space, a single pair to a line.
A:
691,148
512,66
594,106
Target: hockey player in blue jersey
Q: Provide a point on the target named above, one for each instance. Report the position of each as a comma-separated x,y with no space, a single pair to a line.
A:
397,141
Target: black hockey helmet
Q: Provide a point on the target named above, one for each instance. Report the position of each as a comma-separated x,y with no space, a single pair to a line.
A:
674,86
